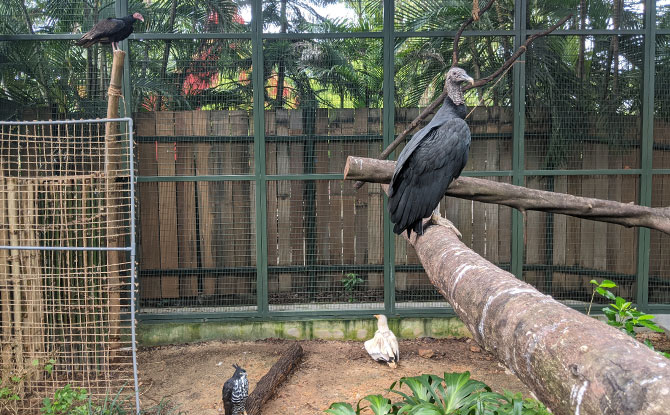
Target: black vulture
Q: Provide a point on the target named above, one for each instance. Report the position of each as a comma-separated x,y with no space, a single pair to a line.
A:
434,157
110,30
235,392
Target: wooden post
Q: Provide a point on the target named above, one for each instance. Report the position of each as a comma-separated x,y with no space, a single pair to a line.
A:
13,216
5,283
113,153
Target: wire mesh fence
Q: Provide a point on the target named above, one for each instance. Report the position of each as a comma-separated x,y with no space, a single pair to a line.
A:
243,130
66,269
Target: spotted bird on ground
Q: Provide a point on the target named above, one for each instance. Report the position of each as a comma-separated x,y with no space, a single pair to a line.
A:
235,392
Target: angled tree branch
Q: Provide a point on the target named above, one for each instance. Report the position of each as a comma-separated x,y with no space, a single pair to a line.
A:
522,49
523,199
479,83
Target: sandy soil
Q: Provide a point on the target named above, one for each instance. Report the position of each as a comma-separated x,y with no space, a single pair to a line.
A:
331,371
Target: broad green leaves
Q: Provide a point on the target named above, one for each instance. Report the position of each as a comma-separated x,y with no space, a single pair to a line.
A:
455,393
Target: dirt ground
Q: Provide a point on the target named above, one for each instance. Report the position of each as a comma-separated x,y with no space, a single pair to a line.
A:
331,371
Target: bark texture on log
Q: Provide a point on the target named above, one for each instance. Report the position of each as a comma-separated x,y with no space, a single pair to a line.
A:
573,363
269,383
522,198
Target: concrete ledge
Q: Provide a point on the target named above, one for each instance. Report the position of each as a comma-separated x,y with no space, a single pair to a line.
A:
153,334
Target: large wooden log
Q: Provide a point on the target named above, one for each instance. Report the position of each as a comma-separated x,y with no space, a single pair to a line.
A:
269,383
573,363
522,198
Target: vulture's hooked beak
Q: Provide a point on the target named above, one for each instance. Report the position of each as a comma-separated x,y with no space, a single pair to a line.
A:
376,316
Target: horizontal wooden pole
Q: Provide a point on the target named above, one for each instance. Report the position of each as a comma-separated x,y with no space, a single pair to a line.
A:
524,199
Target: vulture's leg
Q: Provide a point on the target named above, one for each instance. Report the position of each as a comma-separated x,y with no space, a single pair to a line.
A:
439,220
115,47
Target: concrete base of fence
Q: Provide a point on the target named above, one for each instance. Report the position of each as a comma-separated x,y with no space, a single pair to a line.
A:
154,334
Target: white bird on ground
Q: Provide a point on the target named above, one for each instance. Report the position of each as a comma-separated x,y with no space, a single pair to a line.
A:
383,346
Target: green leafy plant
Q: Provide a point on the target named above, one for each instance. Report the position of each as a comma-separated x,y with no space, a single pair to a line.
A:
351,282
10,387
621,314
455,393
66,401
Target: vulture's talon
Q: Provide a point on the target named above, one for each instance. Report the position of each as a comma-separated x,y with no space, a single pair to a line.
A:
436,219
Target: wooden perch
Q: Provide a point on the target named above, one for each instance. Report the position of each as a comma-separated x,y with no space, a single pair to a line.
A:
269,383
573,363
522,198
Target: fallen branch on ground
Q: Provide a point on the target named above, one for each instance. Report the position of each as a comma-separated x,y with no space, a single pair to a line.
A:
269,383
524,199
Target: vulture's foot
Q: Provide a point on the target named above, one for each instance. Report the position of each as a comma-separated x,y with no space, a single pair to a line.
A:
439,220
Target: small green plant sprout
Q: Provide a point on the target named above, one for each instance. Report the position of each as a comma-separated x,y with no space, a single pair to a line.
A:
11,386
622,315
600,288
351,281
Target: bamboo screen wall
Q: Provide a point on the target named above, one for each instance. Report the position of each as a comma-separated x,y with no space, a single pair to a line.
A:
65,199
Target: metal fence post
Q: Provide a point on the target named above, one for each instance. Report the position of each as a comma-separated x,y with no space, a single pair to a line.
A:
518,167
388,126
647,150
259,149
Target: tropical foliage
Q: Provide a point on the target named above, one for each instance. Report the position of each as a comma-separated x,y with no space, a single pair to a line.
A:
568,77
452,394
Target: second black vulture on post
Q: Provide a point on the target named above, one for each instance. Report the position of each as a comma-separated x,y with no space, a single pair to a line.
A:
111,30
434,157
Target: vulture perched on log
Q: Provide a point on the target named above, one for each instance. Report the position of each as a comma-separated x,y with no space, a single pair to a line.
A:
434,157
110,30
383,347
235,392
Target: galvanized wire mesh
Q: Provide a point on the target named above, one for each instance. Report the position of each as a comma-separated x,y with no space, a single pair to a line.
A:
65,267
563,254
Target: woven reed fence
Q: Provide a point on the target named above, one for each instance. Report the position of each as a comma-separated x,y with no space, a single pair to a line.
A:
63,305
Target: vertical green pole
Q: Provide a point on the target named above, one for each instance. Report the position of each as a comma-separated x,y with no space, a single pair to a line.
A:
647,149
518,106
259,151
122,10
388,117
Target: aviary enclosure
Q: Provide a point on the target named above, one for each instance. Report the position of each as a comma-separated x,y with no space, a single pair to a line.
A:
245,112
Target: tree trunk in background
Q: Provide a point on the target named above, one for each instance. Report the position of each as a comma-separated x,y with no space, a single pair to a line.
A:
281,66
579,70
166,52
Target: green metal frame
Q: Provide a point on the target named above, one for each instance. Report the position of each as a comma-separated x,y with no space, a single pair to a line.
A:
388,35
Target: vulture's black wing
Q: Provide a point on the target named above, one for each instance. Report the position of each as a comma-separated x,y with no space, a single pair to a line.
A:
424,171
102,32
